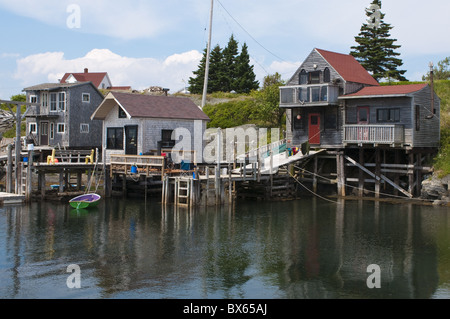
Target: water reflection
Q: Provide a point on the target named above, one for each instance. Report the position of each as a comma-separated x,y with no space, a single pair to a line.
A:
297,249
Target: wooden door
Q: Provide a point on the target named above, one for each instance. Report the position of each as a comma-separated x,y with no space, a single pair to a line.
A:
314,128
131,140
363,119
43,133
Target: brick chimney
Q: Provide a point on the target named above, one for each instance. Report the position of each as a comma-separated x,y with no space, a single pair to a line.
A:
86,70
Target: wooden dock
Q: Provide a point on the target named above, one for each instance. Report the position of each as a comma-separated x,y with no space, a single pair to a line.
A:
9,198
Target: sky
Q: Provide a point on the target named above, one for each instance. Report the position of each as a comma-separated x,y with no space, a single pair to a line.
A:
143,43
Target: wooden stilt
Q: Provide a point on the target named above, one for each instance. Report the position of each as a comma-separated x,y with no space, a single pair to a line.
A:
361,174
377,172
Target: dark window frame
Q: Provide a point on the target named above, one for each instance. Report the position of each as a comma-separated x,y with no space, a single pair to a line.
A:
122,114
114,138
388,115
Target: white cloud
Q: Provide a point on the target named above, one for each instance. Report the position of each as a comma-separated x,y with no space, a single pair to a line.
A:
139,73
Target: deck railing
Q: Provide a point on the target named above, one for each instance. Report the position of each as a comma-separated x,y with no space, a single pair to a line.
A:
135,164
374,134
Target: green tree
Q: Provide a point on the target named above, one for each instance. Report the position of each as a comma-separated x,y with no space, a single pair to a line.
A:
441,72
245,76
16,98
196,82
267,109
217,73
376,50
230,53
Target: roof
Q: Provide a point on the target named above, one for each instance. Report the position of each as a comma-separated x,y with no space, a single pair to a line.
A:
53,86
347,67
391,90
150,106
95,77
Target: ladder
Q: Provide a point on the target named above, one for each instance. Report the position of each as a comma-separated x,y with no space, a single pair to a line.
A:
23,180
182,191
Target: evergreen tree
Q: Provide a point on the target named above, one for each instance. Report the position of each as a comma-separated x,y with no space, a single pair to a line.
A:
196,82
376,51
230,54
245,77
228,71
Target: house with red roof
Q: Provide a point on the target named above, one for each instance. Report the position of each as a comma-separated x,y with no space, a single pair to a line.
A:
379,135
100,80
331,101
146,124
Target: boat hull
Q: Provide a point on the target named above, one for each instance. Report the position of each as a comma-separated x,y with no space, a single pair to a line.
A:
85,201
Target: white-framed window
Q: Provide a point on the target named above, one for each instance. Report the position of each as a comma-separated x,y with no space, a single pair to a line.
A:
52,131
86,97
32,128
62,101
53,102
84,128
61,128
33,98
44,98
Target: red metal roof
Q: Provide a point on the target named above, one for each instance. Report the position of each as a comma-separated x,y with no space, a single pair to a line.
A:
388,90
347,67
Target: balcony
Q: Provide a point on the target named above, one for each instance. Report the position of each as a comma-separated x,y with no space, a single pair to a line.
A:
309,95
374,134
42,112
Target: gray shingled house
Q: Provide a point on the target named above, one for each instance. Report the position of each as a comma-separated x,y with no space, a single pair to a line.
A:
141,124
63,117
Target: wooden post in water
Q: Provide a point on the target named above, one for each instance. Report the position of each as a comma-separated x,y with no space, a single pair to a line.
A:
9,170
361,173
377,172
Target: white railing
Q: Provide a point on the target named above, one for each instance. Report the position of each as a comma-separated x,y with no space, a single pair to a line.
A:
377,134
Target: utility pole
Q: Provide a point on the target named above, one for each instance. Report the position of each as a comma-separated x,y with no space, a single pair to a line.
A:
208,50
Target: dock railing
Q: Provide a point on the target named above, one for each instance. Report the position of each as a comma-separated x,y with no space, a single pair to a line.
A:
136,164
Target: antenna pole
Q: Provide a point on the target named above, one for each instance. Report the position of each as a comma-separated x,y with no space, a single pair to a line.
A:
208,50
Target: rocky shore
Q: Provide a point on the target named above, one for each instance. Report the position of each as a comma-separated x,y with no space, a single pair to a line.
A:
436,189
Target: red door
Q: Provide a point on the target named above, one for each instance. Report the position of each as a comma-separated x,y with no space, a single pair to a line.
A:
363,118
314,128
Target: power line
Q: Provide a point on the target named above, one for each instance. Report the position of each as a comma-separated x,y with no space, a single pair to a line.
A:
270,52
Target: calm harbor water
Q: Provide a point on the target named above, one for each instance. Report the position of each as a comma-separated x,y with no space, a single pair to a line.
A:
307,248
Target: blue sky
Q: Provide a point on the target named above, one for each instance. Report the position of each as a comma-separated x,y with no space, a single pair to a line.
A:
146,43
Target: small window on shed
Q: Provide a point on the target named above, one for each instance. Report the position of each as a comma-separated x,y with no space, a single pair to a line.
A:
86,97
122,114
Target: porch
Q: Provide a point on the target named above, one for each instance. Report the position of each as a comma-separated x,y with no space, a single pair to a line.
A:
374,134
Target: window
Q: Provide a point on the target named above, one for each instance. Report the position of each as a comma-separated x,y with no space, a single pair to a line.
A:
62,101
166,138
388,115
52,130
326,75
53,99
417,117
44,99
297,119
363,115
84,128
331,120
86,97
315,94
114,138
314,77
33,99
303,77
287,95
324,93
303,94
32,128
61,128
122,114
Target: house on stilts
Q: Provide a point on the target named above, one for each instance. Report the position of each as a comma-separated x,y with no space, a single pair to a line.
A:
377,139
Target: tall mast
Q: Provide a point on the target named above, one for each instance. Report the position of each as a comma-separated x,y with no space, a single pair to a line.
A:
208,50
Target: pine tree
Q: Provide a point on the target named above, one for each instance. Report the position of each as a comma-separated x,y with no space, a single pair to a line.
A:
230,54
196,82
245,76
376,51
216,70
